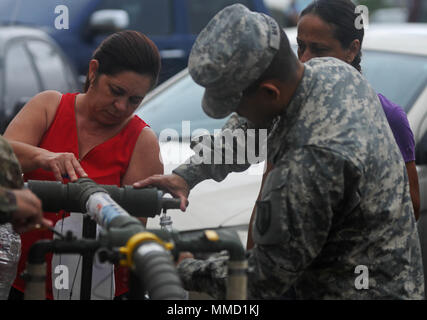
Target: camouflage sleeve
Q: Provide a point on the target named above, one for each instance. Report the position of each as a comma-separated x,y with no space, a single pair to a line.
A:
7,204
10,178
207,276
228,151
292,223
10,169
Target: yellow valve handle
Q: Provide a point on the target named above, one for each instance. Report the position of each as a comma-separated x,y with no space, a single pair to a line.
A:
135,240
211,235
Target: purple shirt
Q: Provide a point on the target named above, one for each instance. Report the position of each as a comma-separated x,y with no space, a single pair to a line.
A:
399,125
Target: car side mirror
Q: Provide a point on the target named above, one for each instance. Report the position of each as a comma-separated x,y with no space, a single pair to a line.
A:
108,21
7,118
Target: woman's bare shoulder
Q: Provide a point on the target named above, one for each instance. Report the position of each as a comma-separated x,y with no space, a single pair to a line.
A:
48,98
147,138
46,102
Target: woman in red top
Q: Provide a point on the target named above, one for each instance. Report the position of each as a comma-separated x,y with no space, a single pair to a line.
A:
66,136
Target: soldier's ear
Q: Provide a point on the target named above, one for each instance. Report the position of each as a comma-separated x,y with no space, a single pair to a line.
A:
269,90
352,51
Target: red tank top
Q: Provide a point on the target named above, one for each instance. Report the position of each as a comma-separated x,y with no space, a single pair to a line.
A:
105,164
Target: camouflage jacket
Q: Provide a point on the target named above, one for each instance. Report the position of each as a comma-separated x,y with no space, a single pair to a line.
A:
10,178
336,203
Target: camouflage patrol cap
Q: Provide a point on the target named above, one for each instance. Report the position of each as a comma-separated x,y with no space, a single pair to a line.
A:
230,53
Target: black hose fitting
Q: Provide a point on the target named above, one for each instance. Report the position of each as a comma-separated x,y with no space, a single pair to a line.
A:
205,241
55,196
157,272
38,250
36,266
87,188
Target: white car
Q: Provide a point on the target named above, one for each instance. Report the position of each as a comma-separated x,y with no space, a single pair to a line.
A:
394,61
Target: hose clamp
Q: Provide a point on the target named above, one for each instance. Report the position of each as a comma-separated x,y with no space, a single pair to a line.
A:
135,241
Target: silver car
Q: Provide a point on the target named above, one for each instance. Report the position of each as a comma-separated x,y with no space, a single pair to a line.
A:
31,62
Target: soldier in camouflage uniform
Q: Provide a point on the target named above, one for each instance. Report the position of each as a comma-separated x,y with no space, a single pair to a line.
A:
19,207
338,197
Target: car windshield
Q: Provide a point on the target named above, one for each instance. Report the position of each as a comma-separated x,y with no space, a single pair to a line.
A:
399,77
179,103
33,13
